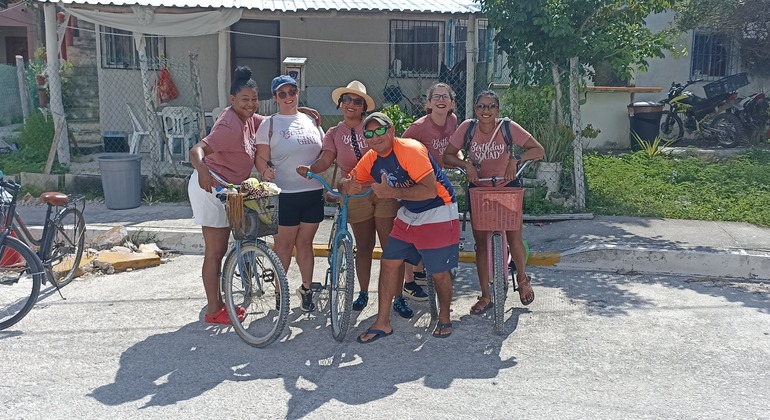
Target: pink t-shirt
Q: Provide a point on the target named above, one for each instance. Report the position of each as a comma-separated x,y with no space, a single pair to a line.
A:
491,153
234,144
434,137
337,141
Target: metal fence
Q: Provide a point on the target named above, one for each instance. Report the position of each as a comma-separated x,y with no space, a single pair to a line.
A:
115,110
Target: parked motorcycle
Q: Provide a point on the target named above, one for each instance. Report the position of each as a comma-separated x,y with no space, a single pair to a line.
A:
705,117
754,113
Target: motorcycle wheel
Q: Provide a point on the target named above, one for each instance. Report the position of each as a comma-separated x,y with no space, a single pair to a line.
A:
671,128
728,130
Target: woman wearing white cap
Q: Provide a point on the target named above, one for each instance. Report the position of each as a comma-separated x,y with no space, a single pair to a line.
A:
284,141
369,216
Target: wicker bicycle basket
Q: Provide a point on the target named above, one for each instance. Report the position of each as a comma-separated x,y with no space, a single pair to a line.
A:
259,217
496,209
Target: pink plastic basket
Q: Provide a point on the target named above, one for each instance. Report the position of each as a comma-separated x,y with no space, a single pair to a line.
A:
496,209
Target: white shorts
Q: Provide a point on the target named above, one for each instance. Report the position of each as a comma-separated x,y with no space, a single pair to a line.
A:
207,209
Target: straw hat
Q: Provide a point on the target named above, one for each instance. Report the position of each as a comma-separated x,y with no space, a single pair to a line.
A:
356,88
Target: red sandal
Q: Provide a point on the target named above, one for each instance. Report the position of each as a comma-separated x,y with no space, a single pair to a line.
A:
222,318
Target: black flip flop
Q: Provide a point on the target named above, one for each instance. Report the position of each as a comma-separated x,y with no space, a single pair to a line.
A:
377,335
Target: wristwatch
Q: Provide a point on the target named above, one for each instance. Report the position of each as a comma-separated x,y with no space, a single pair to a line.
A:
517,158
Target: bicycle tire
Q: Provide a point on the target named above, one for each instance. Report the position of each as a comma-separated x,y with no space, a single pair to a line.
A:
671,127
341,288
432,298
263,273
67,246
20,277
499,279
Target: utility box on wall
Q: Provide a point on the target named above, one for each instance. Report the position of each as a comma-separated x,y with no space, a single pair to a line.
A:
295,67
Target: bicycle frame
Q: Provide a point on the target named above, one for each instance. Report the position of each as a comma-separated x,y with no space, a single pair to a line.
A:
341,220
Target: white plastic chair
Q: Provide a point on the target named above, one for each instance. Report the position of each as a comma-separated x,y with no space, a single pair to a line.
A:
139,131
179,123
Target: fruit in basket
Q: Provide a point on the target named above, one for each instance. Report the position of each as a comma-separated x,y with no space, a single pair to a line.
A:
255,189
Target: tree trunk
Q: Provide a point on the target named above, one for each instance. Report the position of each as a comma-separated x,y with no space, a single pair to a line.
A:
574,80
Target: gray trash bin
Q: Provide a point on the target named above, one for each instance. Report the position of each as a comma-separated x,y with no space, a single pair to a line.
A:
121,180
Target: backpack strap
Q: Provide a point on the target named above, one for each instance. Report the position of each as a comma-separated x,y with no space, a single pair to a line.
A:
507,136
469,133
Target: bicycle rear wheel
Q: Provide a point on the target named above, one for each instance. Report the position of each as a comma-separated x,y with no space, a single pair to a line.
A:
341,293
258,285
67,245
499,278
20,276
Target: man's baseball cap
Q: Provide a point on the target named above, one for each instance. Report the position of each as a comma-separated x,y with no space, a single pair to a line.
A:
381,118
280,81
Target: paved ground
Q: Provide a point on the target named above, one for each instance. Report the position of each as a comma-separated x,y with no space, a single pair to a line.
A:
592,345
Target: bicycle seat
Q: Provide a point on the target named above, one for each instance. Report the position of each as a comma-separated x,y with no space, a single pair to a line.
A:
54,198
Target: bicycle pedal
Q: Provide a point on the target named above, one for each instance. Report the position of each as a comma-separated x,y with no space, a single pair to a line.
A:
316,287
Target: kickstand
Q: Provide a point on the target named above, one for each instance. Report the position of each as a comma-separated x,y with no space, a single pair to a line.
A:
55,284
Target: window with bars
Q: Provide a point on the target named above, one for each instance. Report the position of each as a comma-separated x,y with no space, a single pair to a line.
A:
118,51
417,45
713,56
461,38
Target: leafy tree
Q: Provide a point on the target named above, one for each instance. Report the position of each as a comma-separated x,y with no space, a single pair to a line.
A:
539,33
746,21
542,36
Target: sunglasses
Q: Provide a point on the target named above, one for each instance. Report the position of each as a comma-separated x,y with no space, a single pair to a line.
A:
378,131
490,107
438,97
282,95
346,99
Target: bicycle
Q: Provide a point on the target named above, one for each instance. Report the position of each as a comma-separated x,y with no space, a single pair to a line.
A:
61,244
251,270
340,276
59,250
497,210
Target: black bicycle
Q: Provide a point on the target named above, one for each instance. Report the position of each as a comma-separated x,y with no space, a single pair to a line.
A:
58,250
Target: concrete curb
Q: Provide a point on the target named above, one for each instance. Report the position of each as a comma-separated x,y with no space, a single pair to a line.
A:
731,263
728,263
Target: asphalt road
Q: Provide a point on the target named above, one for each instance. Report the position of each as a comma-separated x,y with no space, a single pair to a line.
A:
593,345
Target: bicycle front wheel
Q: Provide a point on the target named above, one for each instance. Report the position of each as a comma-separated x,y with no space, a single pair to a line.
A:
499,279
341,293
20,276
67,245
432,298
258,285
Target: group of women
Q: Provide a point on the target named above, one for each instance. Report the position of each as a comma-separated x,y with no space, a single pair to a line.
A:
286,145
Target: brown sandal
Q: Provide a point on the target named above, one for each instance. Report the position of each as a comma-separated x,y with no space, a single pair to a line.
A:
525,289
481,306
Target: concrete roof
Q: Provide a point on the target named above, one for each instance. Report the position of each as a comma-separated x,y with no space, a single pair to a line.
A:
410,6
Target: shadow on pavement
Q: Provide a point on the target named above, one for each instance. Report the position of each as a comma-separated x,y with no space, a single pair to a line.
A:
183,364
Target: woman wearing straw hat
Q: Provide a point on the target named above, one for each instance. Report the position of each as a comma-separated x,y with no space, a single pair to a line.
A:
369,217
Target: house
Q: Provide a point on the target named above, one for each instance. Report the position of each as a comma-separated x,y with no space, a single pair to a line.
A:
390,46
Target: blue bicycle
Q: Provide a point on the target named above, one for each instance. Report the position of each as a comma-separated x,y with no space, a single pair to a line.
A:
340,276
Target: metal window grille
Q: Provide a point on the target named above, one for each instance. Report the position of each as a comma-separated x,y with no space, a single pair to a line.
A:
713,56
118,51
417,45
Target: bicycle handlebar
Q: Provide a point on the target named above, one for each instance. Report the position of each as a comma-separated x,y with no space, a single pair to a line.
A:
331,190
520,171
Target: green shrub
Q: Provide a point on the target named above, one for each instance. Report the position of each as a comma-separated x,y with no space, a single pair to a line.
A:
34,145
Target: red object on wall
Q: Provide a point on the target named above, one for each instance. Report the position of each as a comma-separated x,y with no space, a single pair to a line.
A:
63,47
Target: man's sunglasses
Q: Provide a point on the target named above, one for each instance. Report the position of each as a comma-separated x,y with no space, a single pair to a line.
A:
378,131
486,106
282,95
346,99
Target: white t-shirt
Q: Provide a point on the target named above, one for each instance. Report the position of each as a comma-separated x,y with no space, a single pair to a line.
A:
296,140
